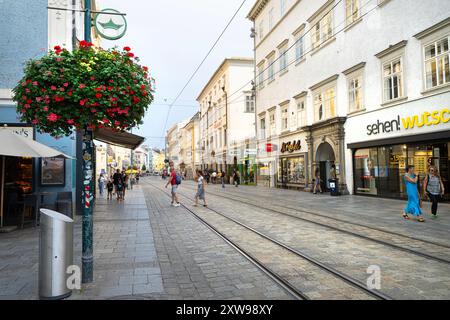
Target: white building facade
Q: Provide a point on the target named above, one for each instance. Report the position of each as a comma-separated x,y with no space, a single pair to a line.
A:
337,83
227,117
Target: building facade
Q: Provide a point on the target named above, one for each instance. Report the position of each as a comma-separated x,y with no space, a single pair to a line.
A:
174,143
227,117
343,83
29,30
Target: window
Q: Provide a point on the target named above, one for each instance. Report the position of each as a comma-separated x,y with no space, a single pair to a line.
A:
324,104
283,59
301,112
393,79
299,49
261,30
273,126
271,17
249,104
284,118
261,75
355,93
270,70
262,126
282,7
351,11
437,71
322,30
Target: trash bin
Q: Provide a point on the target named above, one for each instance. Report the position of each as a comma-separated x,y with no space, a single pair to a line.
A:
334,187
55,254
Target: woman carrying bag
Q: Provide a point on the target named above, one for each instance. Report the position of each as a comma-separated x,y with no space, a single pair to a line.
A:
433,188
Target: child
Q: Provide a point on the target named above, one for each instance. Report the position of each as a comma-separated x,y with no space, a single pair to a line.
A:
110,187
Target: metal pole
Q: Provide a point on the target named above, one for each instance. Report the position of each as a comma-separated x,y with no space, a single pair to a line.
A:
87,247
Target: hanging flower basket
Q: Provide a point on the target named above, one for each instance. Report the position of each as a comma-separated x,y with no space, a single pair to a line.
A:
85,88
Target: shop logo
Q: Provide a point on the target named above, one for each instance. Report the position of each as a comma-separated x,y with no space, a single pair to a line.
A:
291,147
416,121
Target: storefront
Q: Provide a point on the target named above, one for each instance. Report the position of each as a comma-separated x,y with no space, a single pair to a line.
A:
293,162
415,134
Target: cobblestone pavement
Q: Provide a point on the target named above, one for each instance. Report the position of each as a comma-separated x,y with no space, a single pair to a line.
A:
404,275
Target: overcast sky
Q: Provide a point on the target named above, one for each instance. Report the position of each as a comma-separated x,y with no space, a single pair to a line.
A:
172,38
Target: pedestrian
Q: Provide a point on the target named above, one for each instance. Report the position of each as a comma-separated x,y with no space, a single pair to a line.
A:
118,184
206,176
433,187
125,181
214,177
101,183
174,184
137,178
236,178
222,178
333,172
110,188
317,184
413,204
201,186
132,181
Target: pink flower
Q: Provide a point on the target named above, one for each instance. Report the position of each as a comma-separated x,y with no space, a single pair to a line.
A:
35,121
66,84
70,121
82,86
35,83
98,95
38,99
45,108
52,117
53,88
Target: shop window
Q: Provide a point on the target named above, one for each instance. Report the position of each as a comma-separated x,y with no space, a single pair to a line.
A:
366,171
437,69
292,170
393,79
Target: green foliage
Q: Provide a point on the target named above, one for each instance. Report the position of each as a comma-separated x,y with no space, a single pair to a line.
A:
84,88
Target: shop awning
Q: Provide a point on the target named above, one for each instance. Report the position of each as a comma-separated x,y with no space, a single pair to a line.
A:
121,139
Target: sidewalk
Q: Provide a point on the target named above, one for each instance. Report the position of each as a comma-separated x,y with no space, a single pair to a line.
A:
125,261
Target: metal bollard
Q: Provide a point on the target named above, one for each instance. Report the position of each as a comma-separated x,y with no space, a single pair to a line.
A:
55,254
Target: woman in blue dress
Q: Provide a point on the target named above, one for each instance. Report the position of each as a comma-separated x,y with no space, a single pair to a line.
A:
413,205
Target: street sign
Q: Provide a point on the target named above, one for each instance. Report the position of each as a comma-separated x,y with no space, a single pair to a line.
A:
110,26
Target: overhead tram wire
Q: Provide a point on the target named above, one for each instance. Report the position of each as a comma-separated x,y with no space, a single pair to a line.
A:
308,51
201,63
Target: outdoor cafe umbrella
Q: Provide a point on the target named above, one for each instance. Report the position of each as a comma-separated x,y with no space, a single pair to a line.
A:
14,145
131,171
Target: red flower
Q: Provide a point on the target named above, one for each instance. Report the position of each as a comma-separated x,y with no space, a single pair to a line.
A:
98,95
52,117
98,89
82,86
66,84
83,102
35,121
35,83
57,48
45,108
92,78
127,48
83,43
145,68
70,121
53,88
29,101
130,54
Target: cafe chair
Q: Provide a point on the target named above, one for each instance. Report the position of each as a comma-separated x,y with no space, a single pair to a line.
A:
29,204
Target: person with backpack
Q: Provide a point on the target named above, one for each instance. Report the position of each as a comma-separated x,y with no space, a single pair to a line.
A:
118,183
174,181
433,188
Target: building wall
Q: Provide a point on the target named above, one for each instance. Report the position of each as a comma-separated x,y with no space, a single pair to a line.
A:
380,27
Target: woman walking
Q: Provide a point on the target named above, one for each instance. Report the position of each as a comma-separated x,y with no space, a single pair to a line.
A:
317,181
201,184
101,183
413,204
433,188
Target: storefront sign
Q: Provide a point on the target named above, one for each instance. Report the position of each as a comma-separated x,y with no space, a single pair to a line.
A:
26,132
110,24
410,122
234,153
250,152
291,146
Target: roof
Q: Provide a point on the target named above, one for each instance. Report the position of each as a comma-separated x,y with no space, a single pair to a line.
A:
225,61
256,9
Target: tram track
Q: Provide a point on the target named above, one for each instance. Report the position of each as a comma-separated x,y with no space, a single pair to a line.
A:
352,233
351,281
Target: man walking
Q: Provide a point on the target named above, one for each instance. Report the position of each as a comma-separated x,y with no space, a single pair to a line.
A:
173,182
222,178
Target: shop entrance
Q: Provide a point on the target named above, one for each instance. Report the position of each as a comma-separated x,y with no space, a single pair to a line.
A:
325,158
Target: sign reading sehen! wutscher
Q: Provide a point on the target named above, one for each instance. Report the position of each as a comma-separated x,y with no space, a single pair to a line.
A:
426,118
291,146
